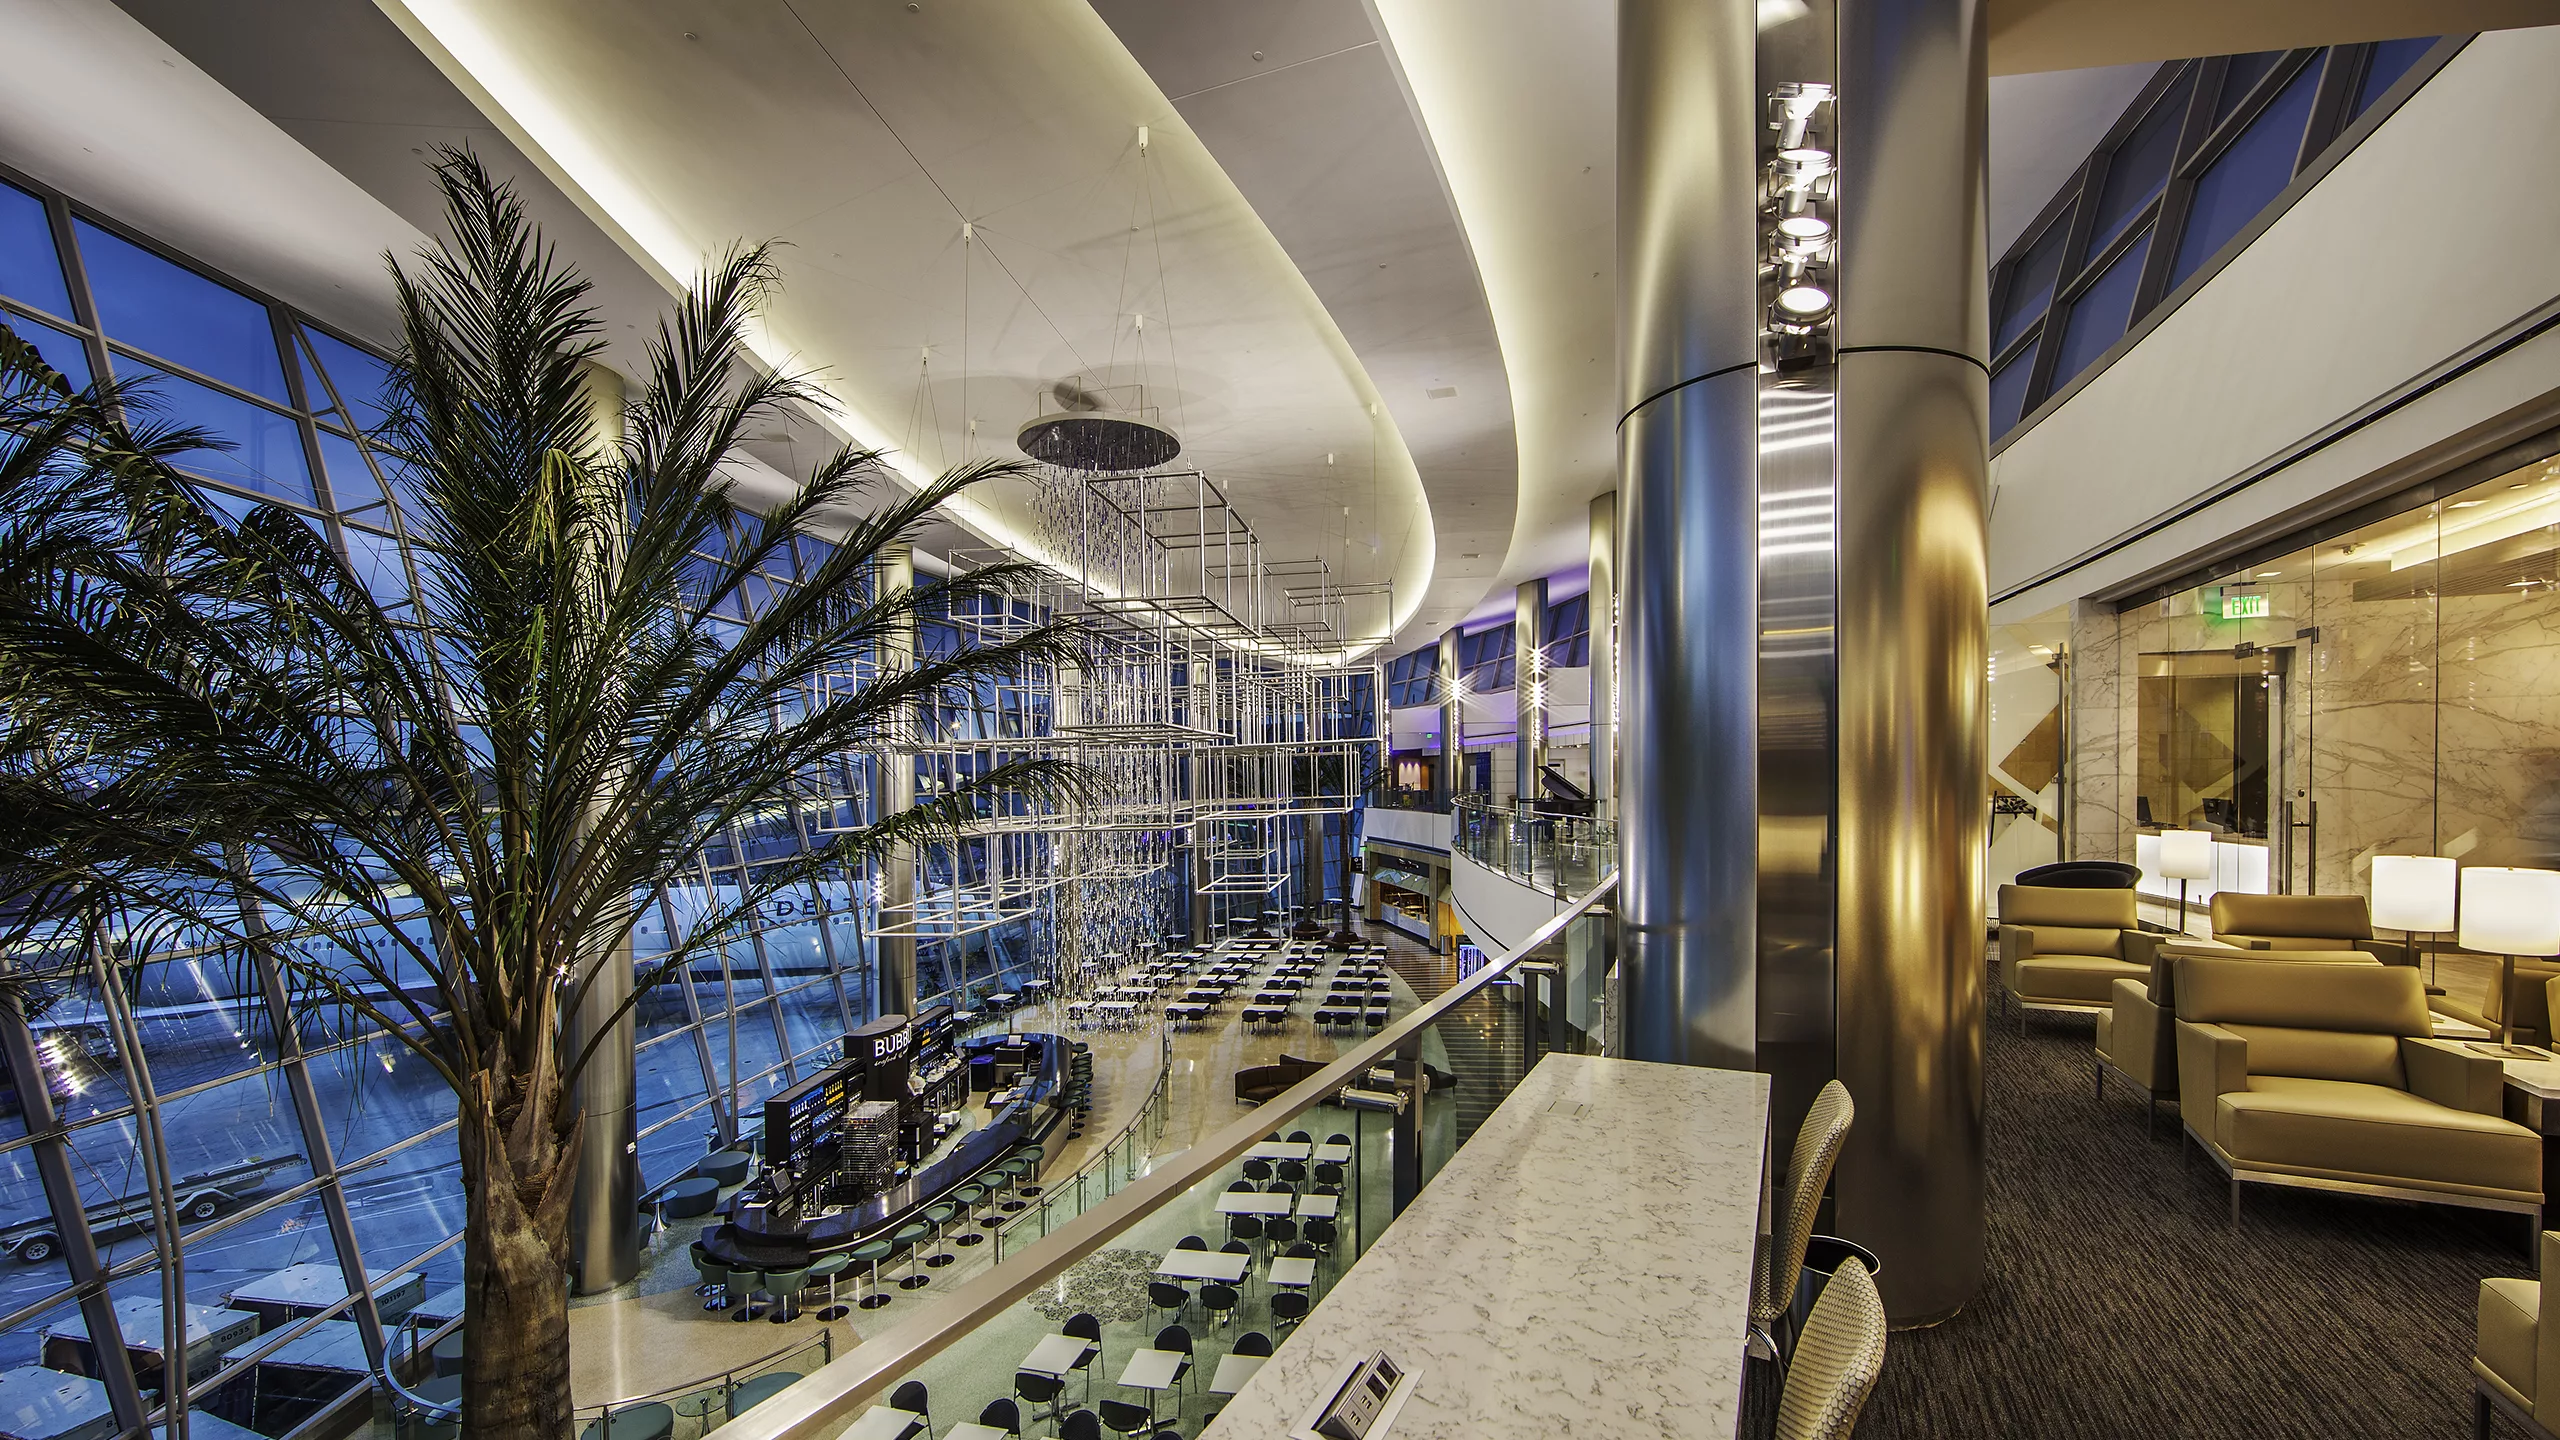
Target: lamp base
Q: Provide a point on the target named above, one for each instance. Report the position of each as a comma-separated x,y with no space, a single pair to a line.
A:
2508,1052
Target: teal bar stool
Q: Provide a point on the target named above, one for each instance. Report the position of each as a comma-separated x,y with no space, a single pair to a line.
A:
743,1285
969,1198
907,1238
1034,1154
784,1286
938,1216
1015,1172
869,1256
827,1268
999,1185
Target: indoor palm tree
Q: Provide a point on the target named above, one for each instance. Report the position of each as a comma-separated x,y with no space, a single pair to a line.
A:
218,723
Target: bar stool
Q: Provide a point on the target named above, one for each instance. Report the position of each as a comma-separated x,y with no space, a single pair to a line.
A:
869,1256
938,1216
1035,1154
743,1285
827,1268
969,1197
784,1286
1015,1171
906,1238
999,1184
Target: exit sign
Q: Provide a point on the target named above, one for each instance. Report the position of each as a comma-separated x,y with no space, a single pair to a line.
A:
2244,607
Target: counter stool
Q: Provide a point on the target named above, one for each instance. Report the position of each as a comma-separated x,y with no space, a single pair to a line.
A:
715,1279
1015,1172
969,1197
1035,1154
784,1286
869,1256
939,1216
743,1285
827,1268
906,1239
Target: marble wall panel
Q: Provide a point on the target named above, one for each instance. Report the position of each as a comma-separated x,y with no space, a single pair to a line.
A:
2498,742
2372,730
2100,822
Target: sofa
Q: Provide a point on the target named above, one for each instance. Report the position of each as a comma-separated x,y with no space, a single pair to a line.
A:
2302,922
2513,1353
2327,1078
2063,948
2138,1034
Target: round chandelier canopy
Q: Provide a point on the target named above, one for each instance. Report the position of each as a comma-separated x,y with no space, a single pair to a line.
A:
1095,438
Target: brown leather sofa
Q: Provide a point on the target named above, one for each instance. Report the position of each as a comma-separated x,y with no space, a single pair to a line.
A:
2514,1354
2327,1078
2302,922
2064,948
2138,1038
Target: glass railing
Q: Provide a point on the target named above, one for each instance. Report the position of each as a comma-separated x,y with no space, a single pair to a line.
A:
1564,855
1398,798
1217,1244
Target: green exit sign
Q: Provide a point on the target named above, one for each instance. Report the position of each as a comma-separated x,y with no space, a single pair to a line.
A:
2244,607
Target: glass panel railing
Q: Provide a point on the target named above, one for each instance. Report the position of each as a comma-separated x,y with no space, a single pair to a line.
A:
1141,1284
1564,855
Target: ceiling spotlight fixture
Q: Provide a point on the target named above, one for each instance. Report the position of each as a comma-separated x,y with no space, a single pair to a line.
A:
1804,229
2468,504
1804,303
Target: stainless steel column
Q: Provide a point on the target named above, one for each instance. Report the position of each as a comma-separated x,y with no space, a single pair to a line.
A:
1603,605
1914,400
1453,720
1688,495
896,990
1528,690
604,1215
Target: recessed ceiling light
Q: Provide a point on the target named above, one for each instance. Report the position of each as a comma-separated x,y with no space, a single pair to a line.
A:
2467,504
1471,555
2269,574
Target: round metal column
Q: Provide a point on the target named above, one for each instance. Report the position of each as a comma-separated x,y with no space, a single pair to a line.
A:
1688,517
1913,408
896,990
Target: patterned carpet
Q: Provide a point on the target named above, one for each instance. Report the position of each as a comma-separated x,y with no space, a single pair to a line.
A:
2120,1302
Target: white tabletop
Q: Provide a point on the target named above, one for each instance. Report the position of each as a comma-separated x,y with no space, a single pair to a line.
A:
1333,1154
1249,1202
1319,1207
882,1423
1647,1174
1277,1150
1291,1274
1233,1371
1056,1355
1114,1005
972,1430
1204,1265
1152,1369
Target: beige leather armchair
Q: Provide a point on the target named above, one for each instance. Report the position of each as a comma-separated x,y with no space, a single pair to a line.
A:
2065,949
2326,1077
2514,1354
2302,922
2138,1036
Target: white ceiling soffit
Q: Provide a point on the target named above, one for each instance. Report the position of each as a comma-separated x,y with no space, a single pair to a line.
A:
864,138
1520,100
1301,106
2042,127
107,111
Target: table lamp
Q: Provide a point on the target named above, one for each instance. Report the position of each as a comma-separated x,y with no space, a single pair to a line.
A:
2185,855
2414,893
2509,913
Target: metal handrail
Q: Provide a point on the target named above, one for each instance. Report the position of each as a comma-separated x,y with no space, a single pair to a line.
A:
1152,1111
834,1395
725,1379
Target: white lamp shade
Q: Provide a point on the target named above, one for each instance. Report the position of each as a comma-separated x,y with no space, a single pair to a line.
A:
2511,912
2413,892
2186,854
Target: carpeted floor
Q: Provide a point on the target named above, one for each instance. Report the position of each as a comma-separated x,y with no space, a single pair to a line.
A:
2121,1303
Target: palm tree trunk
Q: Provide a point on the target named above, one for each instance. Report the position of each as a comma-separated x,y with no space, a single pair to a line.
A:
519,1164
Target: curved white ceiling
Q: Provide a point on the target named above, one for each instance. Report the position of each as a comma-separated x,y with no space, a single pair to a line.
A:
864,138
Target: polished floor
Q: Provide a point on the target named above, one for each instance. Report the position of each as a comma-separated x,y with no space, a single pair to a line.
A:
2122,1303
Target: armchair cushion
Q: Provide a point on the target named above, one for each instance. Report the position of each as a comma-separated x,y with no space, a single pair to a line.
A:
2076,979
2453,1076
2510,1312
2140,1039
2290,922
2351,1131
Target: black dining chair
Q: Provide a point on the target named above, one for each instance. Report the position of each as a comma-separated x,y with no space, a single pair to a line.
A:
1279,1232
1257,1170
1293,1171
1221,1302
1288,1308
1235,1247
1122,1418
1253,1342
1301,1137
1039,1389
1233,1187
1174,1337
1088,1328
1303,1250
910,1397
1337,1138
1323,1233
1166,1296
1191,1242
1244,1227
1328,1173
1002,1415
1280,1187
1081,1425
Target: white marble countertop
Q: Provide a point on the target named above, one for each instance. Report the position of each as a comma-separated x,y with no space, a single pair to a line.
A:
1581,1267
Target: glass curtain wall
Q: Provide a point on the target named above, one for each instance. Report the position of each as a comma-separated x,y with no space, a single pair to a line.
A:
182,1042
2206,147
2380,687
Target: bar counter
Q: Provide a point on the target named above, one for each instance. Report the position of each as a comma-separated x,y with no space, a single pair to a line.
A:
1581,1267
